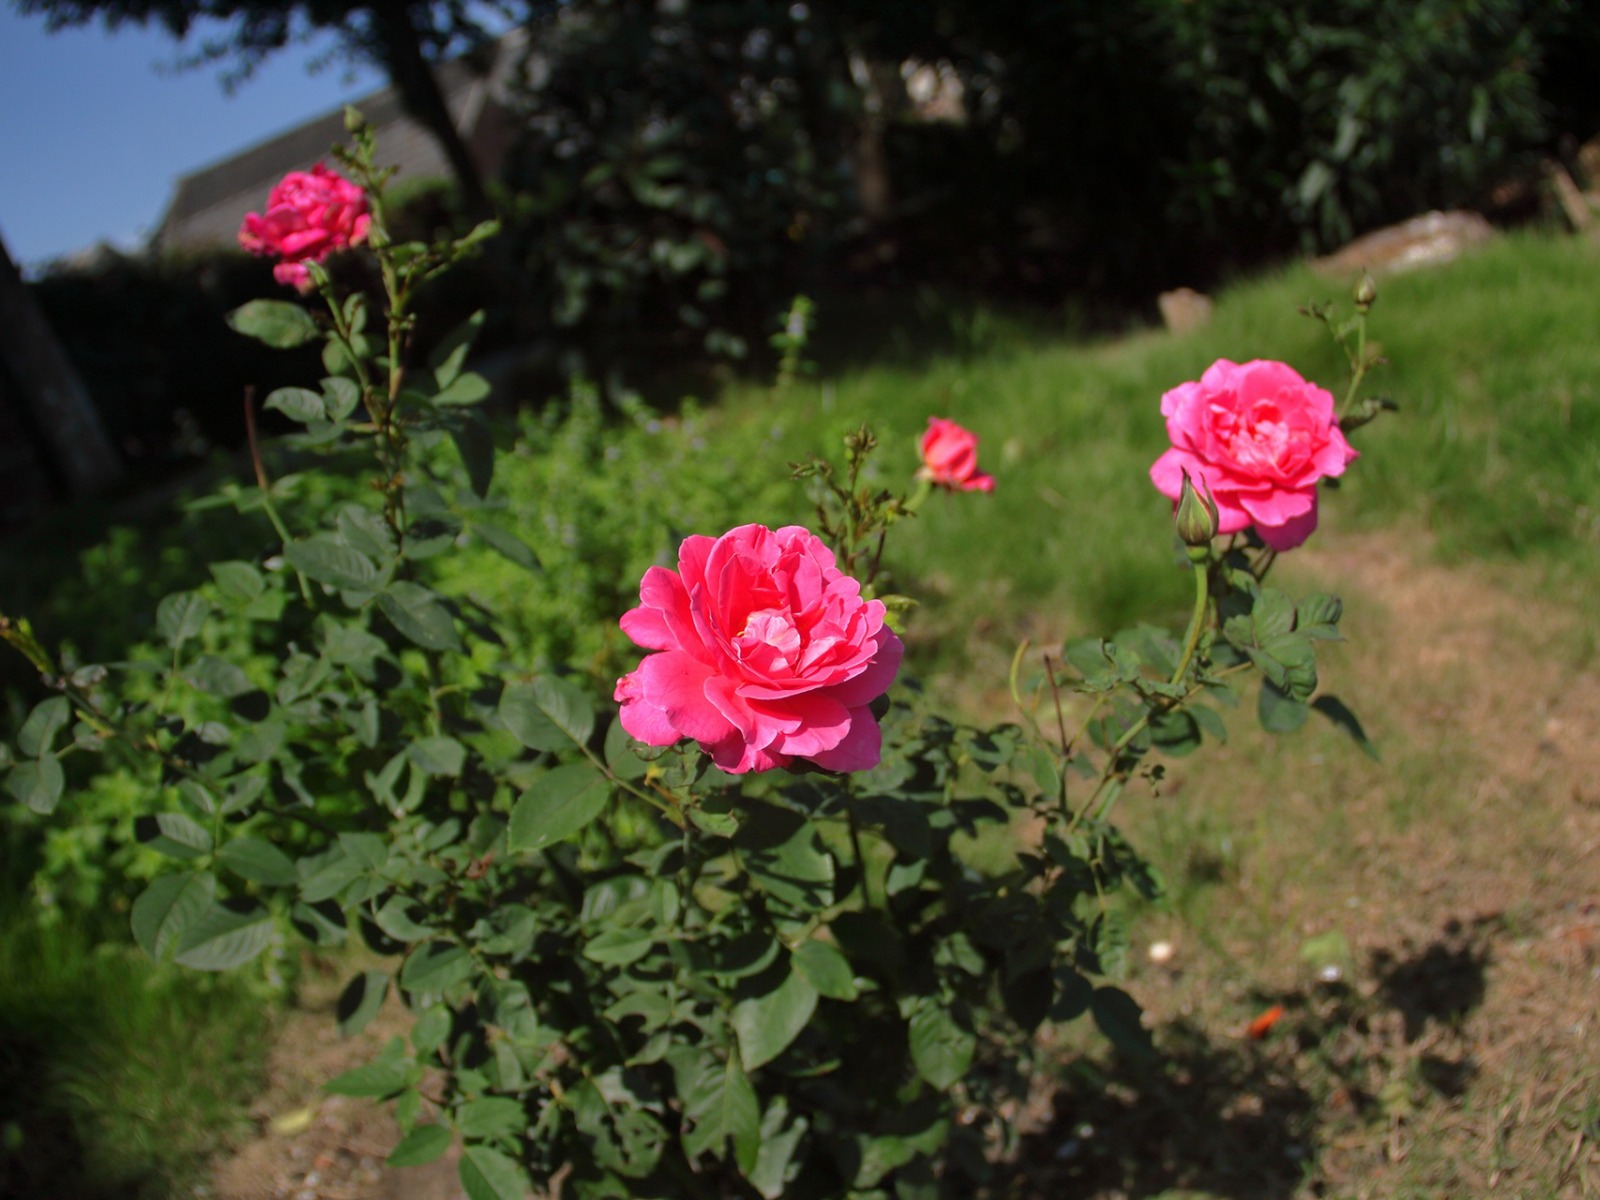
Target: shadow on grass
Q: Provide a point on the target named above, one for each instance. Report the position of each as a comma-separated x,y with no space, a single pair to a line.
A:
1211,1117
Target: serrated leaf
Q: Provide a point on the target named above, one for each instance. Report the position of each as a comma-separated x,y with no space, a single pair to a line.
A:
475,444
258,861
780,1137
326,559
181,616
218,677
395,918
619,947
421,1146
940,1047
1272,614
298,404
360,1001
167,908
385,1075
417,613
277,323
222,938
44,722
767,1024
489,1175
558,805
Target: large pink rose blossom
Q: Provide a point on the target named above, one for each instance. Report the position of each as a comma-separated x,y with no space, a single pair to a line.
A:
1259,437
950,458
310,214
767,654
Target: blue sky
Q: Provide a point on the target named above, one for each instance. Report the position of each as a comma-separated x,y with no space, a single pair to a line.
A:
93,132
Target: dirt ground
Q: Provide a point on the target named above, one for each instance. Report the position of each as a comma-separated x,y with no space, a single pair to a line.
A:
1429,927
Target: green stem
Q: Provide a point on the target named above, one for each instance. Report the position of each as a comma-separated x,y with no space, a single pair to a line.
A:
1200,557
1358,366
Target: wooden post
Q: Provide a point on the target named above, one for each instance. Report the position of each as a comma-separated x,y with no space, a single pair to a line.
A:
62,409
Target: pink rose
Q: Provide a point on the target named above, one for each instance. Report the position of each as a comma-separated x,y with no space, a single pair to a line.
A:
768,653
950,458
1259,437
310,214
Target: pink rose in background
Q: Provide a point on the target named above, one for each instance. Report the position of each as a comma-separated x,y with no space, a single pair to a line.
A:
950,458
1259,437
768,653
310,214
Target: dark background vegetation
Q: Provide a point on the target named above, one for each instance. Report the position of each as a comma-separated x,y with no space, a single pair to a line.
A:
683,169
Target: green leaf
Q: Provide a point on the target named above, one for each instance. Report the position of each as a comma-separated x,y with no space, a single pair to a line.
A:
44,722
490,1117
475,444
298,404
826,969
1279,712
222,938
1335,710
326,559
775,1167
558,805
395,919
1121,1020
549,714
451,352
258,861
416,612
489,1175
360,1001
385,1075
436,967
218,677
173,834
278,323
238,581
506,544
166,908
941,1049
786,858
438,755
720,1104
619,947
469,388
1272,614
340,397
766,1024
37,784
421,1146
181,616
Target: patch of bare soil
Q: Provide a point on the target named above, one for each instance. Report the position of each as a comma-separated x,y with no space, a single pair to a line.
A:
313,1146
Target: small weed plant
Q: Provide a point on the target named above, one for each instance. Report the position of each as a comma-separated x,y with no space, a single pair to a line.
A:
717,928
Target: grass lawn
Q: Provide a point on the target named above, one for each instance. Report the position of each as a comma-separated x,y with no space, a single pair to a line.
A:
1428,924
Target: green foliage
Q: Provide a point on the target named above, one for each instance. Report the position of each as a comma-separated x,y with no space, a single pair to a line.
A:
621,962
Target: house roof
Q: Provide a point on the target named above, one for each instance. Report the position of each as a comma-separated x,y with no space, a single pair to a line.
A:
208,205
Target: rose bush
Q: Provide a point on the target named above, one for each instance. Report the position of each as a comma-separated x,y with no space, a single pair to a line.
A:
768,653
950,458
310,214
1259,438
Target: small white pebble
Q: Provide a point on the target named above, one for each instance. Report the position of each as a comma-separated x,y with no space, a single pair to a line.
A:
1160,952
1330,973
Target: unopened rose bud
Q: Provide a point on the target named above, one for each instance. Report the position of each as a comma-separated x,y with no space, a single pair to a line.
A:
354,121
1197,517
1366,292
